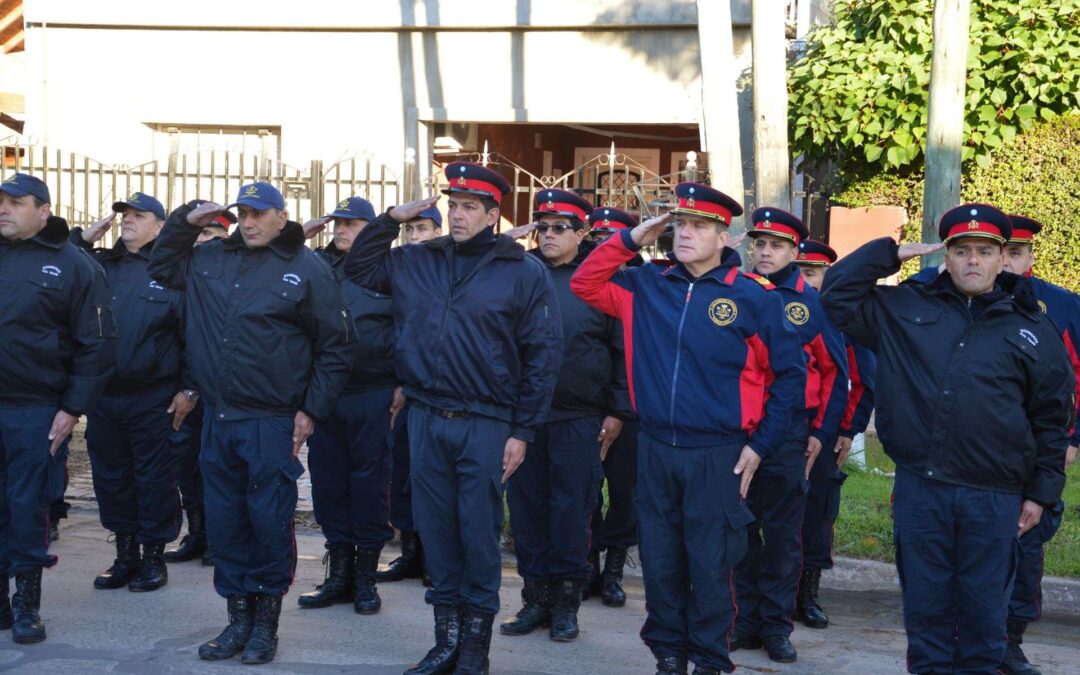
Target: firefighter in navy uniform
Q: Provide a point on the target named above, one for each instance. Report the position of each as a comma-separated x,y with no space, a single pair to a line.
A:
615,530
130,437
478,350
349,453
269,342
826,477
553,495
193,544
58,353
767,580
1063,308
974,400
410,564
704,340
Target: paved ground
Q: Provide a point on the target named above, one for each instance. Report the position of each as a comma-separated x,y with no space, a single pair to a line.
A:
120,632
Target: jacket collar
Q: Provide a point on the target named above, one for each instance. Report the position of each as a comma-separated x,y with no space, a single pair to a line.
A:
725,272
118,250
1019,292
287,244
54,235
505,247
584,250
788,277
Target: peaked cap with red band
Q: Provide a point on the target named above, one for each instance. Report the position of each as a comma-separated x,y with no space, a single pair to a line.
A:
225,219
815,253
608,219
974,220
703,201
561,203
778,223
1024,229
476,180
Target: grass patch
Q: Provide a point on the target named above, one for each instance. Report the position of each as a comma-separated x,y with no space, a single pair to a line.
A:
864,528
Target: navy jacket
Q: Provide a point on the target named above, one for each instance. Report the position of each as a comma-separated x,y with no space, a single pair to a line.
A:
592,380
488,343
266,329
58,344
149,344
971,392
373,327
712,360
862,373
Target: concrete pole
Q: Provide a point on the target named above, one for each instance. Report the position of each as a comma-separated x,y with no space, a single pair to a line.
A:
719,105
772,167
945,129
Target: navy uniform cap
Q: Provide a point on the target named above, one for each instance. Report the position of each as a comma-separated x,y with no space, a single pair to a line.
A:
354,208
696,199
561,203
476,180
431,213
1024,229
141,202
975,220
22,184
778,223
260,196
224,220
608,219
815,253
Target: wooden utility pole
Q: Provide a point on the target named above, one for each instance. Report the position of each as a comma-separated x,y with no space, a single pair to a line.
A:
720,108
945,129
772,169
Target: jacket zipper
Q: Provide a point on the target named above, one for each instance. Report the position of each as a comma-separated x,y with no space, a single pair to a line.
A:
345,324
100,325
678,358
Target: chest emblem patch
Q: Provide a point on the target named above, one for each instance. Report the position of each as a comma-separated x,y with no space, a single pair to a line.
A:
291,278
797,313
51,270
723,311
1042,306
1029,336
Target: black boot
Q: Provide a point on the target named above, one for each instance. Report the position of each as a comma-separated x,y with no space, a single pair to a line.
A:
707,670
366,600
152,574
564,625
744,642
670,665
25,604
475,643
231,640
807,608
612,593
535,609
409,565
337,585
6,618
594,584
208,558
193,544
124,567
262,645
779,648
443,656
1015,662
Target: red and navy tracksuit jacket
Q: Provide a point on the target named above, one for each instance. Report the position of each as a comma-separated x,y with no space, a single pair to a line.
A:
823,343
710,360
862,370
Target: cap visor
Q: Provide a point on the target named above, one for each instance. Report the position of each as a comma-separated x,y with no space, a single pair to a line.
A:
256,204
974,235
699,214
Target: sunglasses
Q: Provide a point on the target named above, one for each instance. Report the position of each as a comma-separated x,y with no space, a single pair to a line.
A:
558,228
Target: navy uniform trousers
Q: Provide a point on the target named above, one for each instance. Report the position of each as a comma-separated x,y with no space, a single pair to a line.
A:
457,498
956,553
31,479
349,456
767,580
618,527
552,497
401,515
692,531
190,480
822,508
249,493
1026,602
133,461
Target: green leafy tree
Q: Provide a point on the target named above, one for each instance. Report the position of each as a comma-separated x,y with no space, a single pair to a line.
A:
859,93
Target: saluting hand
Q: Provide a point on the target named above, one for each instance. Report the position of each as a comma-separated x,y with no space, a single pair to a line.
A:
648,232
747,466
1030,515
315,226
98,229
62,425
909,251
842,450
609,431
513,456
204,214
813,448
303,425
403,213
520,231
734,242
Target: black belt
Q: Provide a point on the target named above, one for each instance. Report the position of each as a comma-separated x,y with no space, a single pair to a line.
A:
447,414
